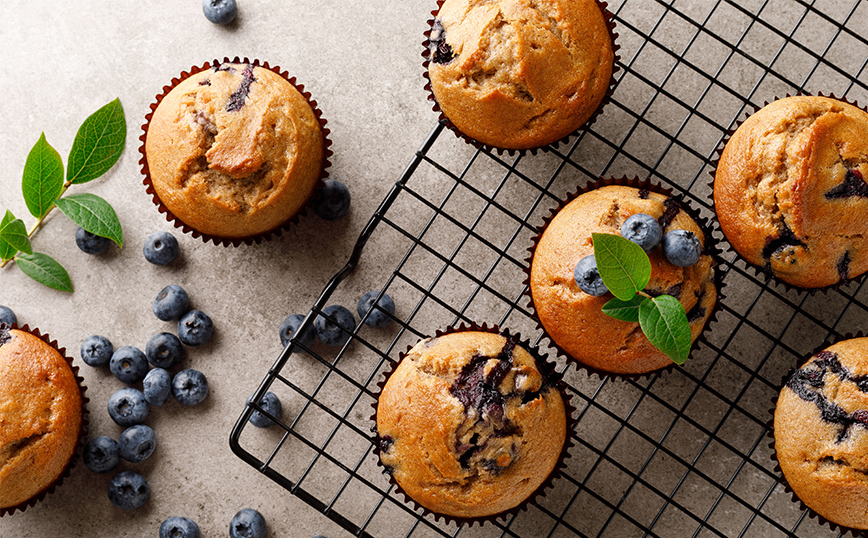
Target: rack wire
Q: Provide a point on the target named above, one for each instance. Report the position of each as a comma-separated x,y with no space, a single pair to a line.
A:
679,454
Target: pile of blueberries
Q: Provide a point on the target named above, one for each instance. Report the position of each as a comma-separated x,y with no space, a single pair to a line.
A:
247,523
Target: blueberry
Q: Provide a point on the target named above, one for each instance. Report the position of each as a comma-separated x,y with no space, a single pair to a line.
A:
588,277
271,404
642,229
189,387
157,386
290,325
137,443
179,527
160,248
220,11
377,318
681,247
333,200
129,490
329,329
128,407
195,328
171,303
129,364
101,454
90,243
164,350
96,350
7,316
247,523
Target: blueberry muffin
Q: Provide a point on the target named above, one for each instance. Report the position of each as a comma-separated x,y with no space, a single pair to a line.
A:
790,190
41,410
573,319
470,424
821,433
234,151
516,75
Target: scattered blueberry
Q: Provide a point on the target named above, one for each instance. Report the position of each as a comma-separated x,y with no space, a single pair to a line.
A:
271,404
157,387
101,454
96,350
195,328
290,325
681,247
220,11
588,277
171,303
129,490
189,387
7,316
247,523
333,200
160,248
90,243
179,527
128,407
129,364
377,318
642,229
330,332
137,443
164,350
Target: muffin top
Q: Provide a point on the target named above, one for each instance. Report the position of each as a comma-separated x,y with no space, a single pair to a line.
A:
517,74
821,433
469,424
790,190
573,319
40,415
234,151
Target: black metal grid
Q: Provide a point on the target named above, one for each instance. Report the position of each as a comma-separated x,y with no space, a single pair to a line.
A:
680,454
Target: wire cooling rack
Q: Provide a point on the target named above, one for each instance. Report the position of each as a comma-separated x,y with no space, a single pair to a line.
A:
684,453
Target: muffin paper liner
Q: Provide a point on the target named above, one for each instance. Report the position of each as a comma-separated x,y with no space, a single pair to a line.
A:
542,362
234,241
770,432
761,271
610,24
82,436
710,249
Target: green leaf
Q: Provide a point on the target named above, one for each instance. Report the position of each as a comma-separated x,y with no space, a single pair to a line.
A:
93,214
43,269
664,323
623,265
624,310
13,236
43,177
98,144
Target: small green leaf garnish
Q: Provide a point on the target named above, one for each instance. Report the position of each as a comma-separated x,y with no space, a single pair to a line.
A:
93,214
664,323
43,177
98,144
623,265
624,310
13,237
43,269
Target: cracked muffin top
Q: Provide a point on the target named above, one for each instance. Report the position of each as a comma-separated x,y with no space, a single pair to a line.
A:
821,433
40,416
469,424
234,151
790,190
574,320
519,74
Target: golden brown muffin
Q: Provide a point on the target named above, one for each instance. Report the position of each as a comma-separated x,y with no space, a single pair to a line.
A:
40,416
573,319
234,151
519,74
790,190
470,425
821,433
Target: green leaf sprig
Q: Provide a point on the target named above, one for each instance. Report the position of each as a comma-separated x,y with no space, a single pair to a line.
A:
97,147
626,270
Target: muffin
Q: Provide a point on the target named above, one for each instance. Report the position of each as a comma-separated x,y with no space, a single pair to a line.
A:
234,151
790,190
470,424
514,74
821,433
573,319
41,408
